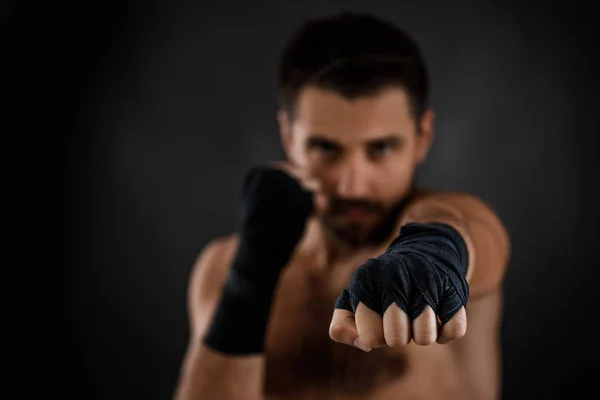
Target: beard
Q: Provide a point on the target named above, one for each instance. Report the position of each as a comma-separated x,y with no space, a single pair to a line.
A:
354,232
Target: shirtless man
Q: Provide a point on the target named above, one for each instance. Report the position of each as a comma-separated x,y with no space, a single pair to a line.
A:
345,280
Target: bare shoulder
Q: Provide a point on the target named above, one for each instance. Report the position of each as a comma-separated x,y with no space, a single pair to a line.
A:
461,204
477,210
208,277
215,254
464,201
487,238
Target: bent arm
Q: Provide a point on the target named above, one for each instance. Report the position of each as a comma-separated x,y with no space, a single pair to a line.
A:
205,373
486,238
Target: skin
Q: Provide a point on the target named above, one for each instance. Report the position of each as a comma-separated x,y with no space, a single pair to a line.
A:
365,149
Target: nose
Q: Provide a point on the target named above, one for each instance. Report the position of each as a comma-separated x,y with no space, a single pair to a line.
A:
354,180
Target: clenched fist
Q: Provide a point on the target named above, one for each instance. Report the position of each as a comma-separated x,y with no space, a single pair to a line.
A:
415,290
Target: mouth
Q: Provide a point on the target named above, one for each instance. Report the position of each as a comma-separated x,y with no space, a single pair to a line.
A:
357,213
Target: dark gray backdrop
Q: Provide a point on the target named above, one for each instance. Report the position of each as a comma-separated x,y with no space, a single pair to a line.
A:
174,100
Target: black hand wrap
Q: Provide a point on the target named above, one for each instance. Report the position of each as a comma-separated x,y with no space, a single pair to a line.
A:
274,210
425,265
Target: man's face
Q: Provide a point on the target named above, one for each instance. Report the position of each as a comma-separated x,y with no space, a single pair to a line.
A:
364,151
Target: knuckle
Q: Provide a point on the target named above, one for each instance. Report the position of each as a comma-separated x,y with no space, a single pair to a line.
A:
396,339
372,339
457,330
424,338
336,331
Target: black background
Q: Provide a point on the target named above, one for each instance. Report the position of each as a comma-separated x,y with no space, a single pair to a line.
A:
169,102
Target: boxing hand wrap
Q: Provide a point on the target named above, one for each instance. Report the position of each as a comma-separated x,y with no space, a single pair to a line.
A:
274,210
425,265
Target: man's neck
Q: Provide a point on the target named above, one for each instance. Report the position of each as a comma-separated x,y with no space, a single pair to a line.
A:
329,250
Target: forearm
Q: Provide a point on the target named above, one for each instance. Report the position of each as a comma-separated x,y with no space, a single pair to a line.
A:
482,231
227,360
226,357
208,374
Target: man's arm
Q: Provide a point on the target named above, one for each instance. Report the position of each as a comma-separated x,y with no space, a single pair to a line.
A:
207,374
233,286
485,235
451,246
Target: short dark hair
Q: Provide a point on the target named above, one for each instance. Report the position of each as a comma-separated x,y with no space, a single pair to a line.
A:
353,54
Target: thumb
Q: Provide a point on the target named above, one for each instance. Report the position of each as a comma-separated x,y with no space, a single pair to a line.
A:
343,329
321,202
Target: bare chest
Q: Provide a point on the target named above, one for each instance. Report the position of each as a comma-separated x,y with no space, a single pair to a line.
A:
300,354
302,362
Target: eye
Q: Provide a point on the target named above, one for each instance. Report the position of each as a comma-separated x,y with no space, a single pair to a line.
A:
378,149
325,147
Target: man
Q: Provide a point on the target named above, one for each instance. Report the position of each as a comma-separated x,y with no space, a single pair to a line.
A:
346,280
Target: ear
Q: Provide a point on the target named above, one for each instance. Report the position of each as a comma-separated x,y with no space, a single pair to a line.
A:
425,138
285,130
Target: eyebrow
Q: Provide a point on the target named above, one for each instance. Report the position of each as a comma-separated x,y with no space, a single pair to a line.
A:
389,138
393,139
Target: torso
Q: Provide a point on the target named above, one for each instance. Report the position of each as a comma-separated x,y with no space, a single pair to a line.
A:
302,362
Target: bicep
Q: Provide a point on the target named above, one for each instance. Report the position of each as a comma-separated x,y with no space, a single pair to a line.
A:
206,283
484,233
489,240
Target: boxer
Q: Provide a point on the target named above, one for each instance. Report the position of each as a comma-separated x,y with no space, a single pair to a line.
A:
345,279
